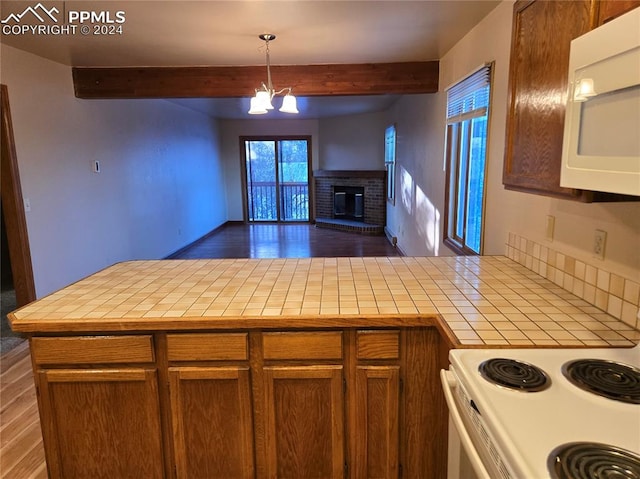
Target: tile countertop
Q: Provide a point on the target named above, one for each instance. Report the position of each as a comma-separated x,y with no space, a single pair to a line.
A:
477,301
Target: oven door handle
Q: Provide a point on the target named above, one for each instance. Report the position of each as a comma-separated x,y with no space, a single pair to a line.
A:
448,384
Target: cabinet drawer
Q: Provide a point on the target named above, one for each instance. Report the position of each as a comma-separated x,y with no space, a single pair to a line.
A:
303,345
93,349
378,344
208,347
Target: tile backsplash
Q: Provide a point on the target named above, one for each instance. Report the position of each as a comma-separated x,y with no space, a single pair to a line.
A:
614,294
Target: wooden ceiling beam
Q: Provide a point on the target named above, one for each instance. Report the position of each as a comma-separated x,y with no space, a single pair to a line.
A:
235,82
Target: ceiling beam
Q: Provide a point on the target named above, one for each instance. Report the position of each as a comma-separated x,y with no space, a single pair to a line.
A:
235,82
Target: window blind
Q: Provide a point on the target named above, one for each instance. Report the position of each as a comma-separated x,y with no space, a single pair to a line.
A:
469,98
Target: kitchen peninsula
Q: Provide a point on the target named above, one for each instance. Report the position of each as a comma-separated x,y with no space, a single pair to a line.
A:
319,367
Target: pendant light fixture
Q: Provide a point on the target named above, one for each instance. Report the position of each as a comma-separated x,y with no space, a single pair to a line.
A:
261,103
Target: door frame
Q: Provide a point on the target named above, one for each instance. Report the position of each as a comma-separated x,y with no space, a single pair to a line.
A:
13,210
243,169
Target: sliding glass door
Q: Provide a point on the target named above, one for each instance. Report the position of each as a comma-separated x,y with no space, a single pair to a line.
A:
276,172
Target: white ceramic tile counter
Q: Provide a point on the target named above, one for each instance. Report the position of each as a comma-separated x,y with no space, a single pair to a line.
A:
488,300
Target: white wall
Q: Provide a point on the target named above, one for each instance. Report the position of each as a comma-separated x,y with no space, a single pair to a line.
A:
417,215
353,142
506,211
161,185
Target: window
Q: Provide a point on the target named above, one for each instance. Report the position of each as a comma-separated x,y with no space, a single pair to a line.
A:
390,162
466,152
276,178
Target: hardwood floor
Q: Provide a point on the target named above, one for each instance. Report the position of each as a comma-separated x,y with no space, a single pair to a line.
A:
285,241
21,450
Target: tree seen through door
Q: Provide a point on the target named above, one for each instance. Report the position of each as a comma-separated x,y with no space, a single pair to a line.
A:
277,179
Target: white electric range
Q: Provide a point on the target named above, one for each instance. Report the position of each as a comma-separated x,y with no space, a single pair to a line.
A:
501,431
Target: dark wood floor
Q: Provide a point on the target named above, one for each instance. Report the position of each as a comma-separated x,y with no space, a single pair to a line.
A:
285,241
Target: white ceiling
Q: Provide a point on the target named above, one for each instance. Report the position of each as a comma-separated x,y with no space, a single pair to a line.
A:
225,33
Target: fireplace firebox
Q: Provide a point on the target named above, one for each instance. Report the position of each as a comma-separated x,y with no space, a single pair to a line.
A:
348,203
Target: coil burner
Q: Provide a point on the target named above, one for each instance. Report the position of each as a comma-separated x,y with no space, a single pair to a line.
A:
514,374
606,378
586,460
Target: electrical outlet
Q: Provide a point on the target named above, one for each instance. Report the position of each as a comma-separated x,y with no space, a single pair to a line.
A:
599,243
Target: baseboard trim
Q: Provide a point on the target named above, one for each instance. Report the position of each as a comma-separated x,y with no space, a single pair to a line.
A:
177,253
393,239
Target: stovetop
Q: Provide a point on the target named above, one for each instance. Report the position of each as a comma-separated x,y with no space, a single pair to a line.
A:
609,379
591,460
529,426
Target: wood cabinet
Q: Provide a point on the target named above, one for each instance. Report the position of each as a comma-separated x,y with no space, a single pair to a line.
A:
304,431
377,404
539,66
327,404
302,409
211,405
538,83
377,421
610,9
99,421
212,422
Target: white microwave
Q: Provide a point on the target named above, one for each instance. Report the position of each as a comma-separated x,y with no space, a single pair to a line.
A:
601,144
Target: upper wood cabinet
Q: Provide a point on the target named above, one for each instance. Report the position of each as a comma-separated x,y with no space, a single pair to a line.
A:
538,80
610,9
540,42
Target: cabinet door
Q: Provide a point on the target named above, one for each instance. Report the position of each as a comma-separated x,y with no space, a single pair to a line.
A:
101,423
542,33
212,425
610,9
304,434
377,399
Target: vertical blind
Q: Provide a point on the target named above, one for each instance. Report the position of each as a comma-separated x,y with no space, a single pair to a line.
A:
469,98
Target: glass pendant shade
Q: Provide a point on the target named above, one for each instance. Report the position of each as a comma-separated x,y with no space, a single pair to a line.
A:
289,104
256,108
264,99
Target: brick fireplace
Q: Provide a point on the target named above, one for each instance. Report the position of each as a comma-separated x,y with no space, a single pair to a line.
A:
330,185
